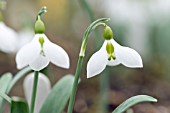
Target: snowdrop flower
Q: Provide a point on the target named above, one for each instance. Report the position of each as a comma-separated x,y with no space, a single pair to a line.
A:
40,51
112,54
8,39
43,89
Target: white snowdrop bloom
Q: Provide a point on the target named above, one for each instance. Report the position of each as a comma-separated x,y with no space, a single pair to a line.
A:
8,39
39,52
43,89
121,55
112,54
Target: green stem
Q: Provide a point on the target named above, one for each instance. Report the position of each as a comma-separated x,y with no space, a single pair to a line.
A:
75,85
103,79
80,60
34,91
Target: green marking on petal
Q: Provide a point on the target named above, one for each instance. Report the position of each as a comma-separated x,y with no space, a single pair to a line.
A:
111,57
110,48
42,53
110,51
41,41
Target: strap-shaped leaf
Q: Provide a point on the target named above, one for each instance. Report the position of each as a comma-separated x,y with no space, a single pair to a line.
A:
6,97
133,101
19,75
19,105
4,83
59,95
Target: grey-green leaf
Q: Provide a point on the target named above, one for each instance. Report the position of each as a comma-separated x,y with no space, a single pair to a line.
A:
6,97
19,75
4,83
133,101
19,105
59,95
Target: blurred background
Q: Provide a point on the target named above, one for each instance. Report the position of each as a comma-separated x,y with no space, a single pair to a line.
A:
143,25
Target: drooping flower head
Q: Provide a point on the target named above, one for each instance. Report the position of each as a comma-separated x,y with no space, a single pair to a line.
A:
40,51
112,54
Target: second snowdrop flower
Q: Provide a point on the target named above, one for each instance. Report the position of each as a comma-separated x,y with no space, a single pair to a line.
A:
40,51
112,54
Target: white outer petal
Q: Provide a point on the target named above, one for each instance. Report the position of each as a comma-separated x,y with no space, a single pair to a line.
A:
39,63
8,39
127,56
97,62
28,53
56,54
43,89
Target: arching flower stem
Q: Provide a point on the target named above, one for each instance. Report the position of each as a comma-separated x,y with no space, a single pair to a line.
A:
88,31
80,60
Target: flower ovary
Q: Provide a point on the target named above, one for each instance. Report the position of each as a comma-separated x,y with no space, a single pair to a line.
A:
108,33
39,27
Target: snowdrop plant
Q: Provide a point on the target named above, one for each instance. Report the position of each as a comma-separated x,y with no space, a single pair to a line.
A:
112,54
38,53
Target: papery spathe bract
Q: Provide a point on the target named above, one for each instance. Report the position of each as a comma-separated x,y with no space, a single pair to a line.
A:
43,89
39,52
120,55
8,39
